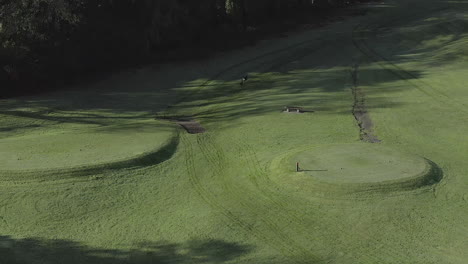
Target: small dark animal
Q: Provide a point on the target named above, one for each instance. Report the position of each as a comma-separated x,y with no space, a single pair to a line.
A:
244,79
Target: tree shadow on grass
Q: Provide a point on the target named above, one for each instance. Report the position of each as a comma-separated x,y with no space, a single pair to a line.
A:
322,91
33,250
280,81
436,38
227,100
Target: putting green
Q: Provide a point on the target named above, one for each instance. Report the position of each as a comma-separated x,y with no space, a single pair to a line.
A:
355,167
72,148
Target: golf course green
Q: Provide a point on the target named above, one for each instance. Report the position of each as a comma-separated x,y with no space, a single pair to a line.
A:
359,164
354,168
74,148
92,174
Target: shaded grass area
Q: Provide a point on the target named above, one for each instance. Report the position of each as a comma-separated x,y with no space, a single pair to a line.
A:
38,76
33,250
219,187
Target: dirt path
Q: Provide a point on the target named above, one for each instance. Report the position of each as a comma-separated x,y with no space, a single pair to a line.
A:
192,127
360,110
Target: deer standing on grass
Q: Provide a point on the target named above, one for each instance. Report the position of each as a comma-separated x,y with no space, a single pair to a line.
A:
244,79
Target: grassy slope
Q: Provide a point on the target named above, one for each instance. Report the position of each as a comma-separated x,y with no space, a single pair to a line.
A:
214,201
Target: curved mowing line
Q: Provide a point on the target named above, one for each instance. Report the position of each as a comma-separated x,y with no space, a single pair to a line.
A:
269,190
143,160
216,156
215,203
289,246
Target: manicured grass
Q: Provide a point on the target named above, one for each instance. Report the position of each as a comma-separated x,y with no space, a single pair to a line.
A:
218,197
358,163
71,148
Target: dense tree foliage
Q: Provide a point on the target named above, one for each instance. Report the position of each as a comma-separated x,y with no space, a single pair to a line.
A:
57,37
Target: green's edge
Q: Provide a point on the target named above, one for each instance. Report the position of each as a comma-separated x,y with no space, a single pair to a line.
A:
431,175
143,160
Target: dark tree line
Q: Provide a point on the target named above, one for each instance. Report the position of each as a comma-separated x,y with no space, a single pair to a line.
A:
44,40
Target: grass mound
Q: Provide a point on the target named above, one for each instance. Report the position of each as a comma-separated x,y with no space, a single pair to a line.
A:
352,168
84,151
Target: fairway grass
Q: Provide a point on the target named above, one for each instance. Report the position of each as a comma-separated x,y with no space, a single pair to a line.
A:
143,190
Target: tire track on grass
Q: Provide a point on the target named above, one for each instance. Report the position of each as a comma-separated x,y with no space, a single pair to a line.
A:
382,61
257,171
359,37
213,201
259,177
297,218
217,158
363,46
